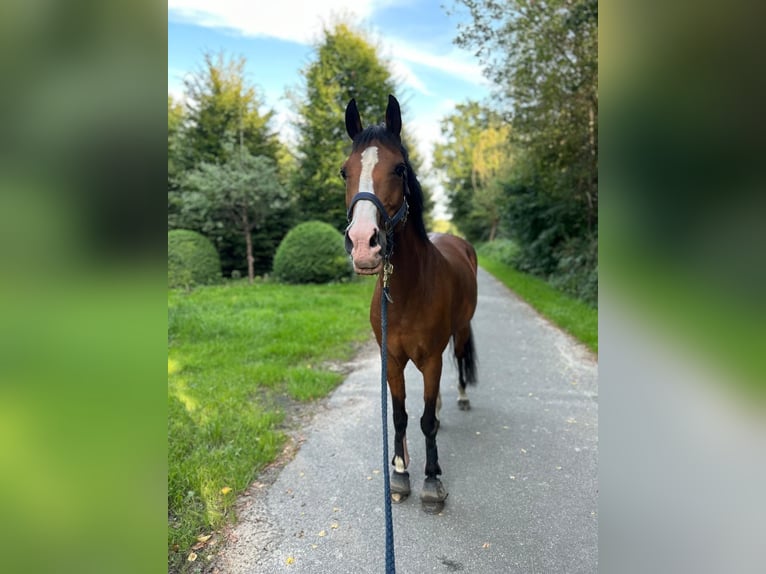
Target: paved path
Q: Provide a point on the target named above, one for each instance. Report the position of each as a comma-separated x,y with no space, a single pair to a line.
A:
520,467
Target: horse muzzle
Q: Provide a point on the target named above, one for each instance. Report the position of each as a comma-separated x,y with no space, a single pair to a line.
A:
365,244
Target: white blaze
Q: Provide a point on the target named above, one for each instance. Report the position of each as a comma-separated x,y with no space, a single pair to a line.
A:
369,159
366,210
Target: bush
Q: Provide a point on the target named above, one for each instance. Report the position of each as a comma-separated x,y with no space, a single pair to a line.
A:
312,252
501,250
192,259
577,272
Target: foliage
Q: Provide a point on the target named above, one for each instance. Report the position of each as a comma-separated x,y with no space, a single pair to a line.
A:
312,252
573,316
234,353
176,119
347,66
461,132
577,271
239,192
501,250
221,123
223,109
543,59
192,259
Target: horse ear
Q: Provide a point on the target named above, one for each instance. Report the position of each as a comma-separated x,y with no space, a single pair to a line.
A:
353,121
393,116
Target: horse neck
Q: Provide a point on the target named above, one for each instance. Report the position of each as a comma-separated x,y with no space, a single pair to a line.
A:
410,258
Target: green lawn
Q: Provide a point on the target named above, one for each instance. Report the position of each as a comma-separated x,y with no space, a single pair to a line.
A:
234,353
573,316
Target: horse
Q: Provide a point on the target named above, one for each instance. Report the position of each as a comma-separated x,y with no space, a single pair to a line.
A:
430,280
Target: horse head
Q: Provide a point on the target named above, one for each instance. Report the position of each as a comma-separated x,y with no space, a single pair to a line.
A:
376,187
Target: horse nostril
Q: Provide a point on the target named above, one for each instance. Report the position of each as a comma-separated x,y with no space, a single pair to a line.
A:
374,239
349,244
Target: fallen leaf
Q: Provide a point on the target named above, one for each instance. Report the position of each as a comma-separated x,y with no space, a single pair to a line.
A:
289,560
192,557
315,546
369,478
486,545
322,533
226,490
335,509
198,545
375,472
204,538
334,525
524,450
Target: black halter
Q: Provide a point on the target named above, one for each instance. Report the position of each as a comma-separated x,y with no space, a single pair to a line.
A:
389,223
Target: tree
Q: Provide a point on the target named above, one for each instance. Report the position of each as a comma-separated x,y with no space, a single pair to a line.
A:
242,191
223,108
346,66
543,59
222,114
492,161
461,132
176,120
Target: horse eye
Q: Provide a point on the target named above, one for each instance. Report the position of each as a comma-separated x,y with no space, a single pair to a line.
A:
343,173
400,170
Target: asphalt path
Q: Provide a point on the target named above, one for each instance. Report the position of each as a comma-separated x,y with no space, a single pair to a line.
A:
520,467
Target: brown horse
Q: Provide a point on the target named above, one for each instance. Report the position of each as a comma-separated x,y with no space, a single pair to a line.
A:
431,280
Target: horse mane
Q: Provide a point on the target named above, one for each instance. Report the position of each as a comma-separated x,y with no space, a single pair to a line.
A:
415,197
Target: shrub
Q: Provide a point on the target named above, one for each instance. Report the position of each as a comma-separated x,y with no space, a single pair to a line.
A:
577,272
312,252
502,250
192,259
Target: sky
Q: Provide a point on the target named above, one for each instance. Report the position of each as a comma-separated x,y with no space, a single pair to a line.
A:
277,39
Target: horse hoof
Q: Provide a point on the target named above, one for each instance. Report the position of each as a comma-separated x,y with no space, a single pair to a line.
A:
433,495
464,404
400,486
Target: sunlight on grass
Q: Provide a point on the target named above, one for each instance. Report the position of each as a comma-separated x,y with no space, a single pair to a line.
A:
181,392
236,353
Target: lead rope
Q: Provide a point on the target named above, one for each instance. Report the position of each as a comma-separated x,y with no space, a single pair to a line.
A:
390,559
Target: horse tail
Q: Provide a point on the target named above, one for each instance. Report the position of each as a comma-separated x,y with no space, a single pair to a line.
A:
467,363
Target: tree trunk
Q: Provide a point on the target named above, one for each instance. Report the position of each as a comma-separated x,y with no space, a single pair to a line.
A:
493,230
249,243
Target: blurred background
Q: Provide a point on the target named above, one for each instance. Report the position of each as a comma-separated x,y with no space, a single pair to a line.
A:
679,262
82,296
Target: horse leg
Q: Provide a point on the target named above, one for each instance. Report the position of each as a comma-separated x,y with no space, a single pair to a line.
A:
466,365
400,478
462,398
433,493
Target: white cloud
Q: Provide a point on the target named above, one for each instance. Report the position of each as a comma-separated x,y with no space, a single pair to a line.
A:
302,21
455,62
293,20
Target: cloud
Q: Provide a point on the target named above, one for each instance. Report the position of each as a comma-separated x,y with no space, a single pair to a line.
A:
302,22
454,63
292,20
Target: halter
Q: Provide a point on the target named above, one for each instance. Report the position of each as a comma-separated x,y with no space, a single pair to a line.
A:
389,224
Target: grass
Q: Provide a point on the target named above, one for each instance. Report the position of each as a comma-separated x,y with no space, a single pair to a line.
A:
573,316
234,352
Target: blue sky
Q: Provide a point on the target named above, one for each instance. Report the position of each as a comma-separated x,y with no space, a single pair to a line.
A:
277,38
